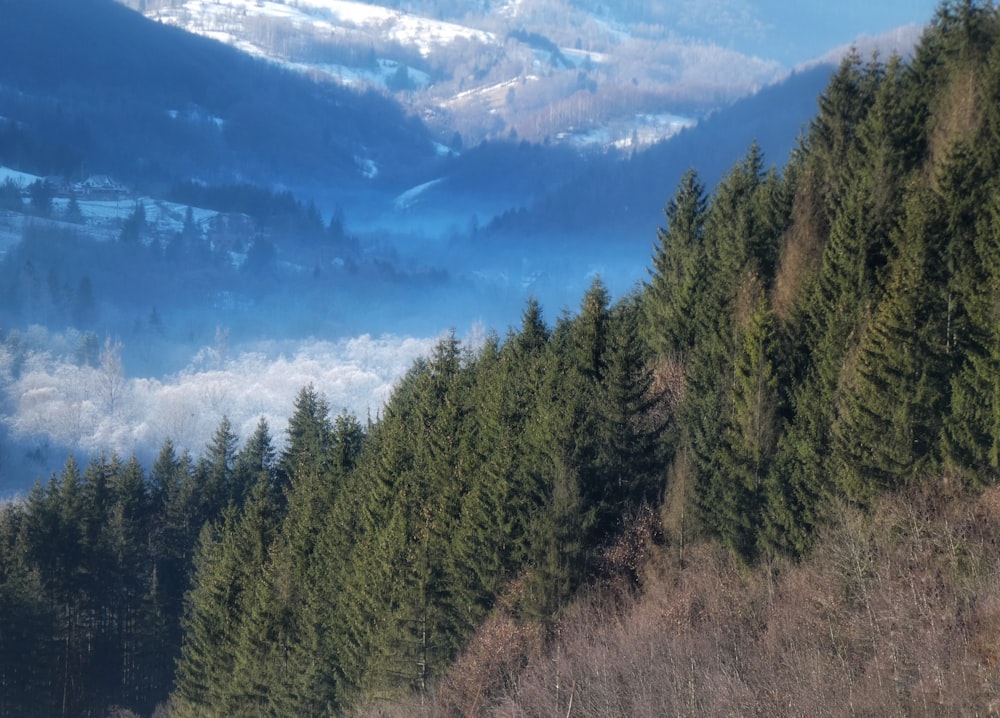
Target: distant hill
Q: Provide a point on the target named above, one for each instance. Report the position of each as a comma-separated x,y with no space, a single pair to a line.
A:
545,70
632,194
624,73
618,192
89,85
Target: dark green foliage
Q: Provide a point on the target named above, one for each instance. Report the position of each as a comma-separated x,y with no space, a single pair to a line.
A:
255,466
217,484
517,459
627,459
557,558
677,274
207,656
309,433
884,148
833,136
972,432
93,567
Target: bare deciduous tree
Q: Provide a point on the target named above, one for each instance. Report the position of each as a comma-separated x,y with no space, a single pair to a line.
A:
111,378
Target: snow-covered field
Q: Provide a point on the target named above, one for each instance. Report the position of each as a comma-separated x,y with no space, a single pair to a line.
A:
21,179
101,219
220,18
493,72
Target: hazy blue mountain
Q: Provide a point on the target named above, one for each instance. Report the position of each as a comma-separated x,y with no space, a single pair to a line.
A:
90,86
550,190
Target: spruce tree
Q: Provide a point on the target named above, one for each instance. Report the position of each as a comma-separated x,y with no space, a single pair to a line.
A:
309,429
887,428
741,237
833,133
28,646
255,465
215,471
481,547
626,459
212,615
971,435
676,277
557,548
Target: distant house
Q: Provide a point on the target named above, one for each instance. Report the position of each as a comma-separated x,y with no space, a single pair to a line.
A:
102,187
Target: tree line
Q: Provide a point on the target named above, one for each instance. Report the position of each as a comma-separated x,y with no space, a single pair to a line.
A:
94,565
816,336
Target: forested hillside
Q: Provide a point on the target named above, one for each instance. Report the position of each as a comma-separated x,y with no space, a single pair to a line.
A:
91,87
769,469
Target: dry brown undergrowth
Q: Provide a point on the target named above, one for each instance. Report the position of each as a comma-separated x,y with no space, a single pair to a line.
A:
896,613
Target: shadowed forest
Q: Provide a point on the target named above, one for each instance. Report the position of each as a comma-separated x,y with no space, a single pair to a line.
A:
763,483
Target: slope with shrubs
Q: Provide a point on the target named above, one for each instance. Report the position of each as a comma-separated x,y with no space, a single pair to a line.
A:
894,613
762,484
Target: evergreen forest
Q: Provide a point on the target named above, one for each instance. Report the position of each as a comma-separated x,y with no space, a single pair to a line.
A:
784,444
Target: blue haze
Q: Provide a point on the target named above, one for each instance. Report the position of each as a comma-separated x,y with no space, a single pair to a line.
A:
492,231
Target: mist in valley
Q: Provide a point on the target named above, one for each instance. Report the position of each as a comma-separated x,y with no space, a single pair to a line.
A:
241,250
114,343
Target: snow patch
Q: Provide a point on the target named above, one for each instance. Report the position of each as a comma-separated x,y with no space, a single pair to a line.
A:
222,19
408,198
21,179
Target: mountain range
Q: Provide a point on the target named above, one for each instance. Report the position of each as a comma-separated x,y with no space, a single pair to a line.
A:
600,74
343,101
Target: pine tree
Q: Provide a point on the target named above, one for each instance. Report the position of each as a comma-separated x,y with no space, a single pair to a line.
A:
741,237
534,335
215,471
626,459
833,133
125,537
174,533
752,436
557,551
863,213
483,528
307,448
424,619
254,465
286,656
211,617
676,277
28,649
254,653
971,435
887,429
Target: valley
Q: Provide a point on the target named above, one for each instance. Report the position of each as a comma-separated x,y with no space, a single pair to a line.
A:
203,281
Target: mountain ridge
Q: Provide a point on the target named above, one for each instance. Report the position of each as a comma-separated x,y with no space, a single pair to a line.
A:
532,71
147,101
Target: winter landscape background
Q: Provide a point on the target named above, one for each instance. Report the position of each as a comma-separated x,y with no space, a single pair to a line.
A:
235,234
